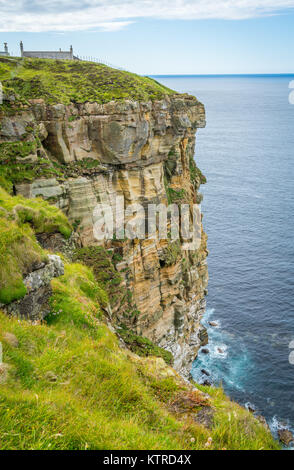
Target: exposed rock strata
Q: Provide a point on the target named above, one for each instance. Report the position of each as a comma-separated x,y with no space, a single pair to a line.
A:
139,151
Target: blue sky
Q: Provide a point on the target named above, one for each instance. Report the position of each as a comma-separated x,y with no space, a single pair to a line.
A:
160,37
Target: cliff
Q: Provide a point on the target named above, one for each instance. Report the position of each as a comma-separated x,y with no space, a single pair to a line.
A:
76,155
90,329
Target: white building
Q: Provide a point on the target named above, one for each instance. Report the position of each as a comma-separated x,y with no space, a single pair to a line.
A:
61,55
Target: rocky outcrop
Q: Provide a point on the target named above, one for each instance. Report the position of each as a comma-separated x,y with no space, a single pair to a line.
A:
143,152
35,304
285,436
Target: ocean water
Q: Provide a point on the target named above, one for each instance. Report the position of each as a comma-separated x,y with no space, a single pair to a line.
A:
247,154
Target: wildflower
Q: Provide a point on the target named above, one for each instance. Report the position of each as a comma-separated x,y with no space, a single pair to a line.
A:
209,442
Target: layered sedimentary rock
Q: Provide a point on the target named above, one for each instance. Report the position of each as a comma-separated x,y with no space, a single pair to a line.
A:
143,152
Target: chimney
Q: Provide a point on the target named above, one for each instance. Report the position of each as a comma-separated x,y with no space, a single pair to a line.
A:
71,52
21,48
5,47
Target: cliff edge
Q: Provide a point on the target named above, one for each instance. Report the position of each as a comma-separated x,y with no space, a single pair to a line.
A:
78,154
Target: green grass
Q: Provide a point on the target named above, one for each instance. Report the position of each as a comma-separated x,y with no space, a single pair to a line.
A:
143,346
42,216
234,427
17,149
70,386
196,175
103,264
20,220
14,172
19,250
61,81
171,254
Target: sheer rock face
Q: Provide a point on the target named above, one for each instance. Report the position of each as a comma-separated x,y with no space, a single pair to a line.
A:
139,150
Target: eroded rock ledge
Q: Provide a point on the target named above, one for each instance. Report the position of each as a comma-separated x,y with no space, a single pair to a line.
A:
144,152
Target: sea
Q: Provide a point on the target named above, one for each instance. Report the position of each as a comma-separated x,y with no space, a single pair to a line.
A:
246,152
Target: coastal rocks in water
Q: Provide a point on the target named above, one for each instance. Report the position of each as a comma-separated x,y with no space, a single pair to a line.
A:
35,304
204,351
205,372
213,323
206,383
203,336
250,407
286,437
220,350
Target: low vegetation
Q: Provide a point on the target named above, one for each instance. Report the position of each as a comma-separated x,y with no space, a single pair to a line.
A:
61,81
196,175
103,262
67,384
42,216
171,254
143,346
20,220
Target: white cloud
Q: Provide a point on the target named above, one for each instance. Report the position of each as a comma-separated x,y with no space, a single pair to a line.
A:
113,25
113,15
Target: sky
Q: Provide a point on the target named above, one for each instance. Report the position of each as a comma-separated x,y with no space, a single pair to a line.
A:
159,36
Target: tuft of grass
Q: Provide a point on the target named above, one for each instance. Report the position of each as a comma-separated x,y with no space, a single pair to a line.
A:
42,216
19,250
17,149
62,81
143,346
77,298
234,427
196,175
171,254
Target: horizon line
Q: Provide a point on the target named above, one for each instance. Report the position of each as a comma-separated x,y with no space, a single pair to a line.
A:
220,74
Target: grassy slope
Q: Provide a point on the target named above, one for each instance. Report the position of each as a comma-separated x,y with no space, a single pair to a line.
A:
20,219
77,81
67,384
70,386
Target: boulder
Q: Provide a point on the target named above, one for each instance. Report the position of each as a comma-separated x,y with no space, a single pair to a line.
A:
204,351
35,304
285,436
